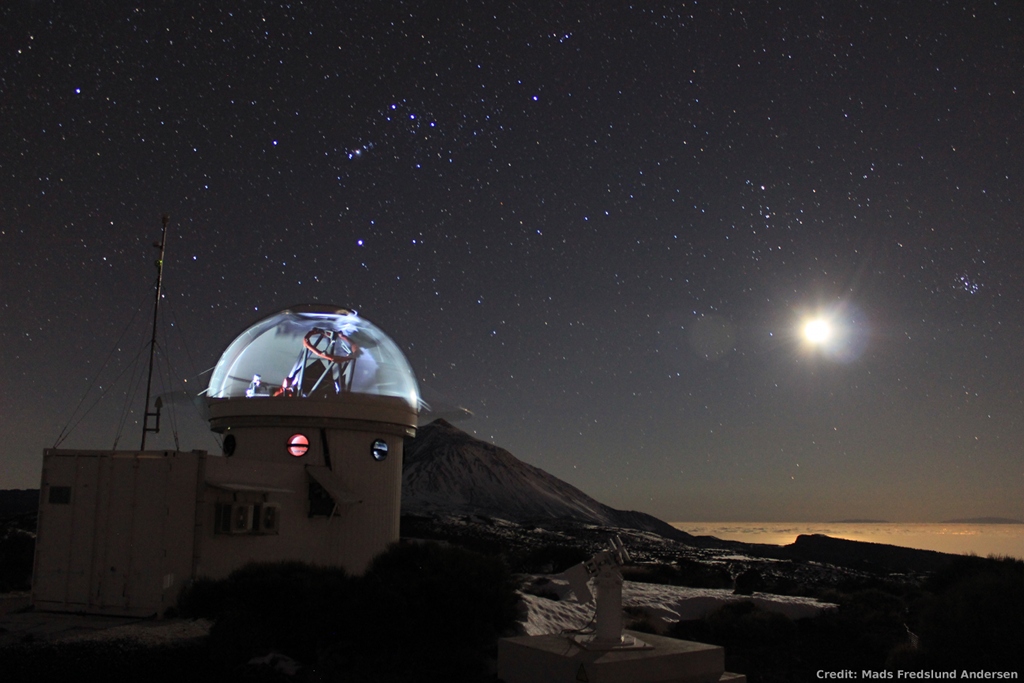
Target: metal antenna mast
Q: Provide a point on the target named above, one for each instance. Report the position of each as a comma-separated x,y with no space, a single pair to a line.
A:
162,246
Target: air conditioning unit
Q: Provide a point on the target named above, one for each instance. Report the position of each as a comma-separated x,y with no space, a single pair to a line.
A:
247,518
270,519
242,518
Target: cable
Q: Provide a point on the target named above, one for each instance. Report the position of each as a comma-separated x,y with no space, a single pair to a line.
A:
68,428
131,365
184,340
131,397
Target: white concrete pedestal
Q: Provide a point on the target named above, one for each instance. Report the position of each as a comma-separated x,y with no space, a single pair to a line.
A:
557,659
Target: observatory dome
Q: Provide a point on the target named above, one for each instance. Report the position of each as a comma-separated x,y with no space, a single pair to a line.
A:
313,351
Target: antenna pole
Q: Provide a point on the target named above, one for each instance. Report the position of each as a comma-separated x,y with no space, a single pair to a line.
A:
162,246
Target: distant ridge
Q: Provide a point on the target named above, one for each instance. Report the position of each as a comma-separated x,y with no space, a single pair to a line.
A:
14,502
859,521
862,555
447,471
982,520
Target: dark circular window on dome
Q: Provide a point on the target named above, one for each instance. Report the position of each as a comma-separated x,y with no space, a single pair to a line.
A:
229,445
379,449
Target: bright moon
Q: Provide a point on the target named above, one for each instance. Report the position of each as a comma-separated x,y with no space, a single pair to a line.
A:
817,331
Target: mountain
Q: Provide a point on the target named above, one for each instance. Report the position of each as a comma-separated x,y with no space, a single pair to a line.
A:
862,555
15,502
859,521
447,471
983,520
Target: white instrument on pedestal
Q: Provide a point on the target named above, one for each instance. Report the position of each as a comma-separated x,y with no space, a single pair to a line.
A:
604,568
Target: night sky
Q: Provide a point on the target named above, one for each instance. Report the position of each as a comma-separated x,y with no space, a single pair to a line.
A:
598,226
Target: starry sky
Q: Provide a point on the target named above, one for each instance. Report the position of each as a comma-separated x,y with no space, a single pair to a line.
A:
598,226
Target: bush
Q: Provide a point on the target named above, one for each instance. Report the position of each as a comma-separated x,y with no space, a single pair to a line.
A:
866,632
203,599
763,645
17,551
748,582
287,607
419,610
862,634
446,607
976,618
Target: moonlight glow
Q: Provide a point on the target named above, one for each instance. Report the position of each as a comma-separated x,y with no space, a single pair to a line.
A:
817,331
837,332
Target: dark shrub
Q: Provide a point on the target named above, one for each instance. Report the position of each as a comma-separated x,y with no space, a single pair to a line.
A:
203,598
426,610
289,607
763,645
438,596
976,619
861,634
748,582
420,611
16,554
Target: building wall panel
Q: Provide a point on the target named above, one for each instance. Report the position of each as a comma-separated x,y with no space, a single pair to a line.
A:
54,534
124,542
82,532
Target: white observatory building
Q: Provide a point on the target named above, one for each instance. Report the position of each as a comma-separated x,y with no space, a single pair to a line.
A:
313,404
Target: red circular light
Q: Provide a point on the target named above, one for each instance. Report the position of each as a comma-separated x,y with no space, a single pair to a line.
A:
298,444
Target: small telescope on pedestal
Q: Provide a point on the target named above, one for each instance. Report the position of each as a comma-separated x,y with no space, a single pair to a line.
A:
604,568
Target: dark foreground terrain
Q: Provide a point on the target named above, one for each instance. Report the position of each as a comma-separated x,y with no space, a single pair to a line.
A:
429,607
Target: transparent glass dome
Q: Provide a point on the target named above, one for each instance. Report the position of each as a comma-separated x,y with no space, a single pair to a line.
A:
313,352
